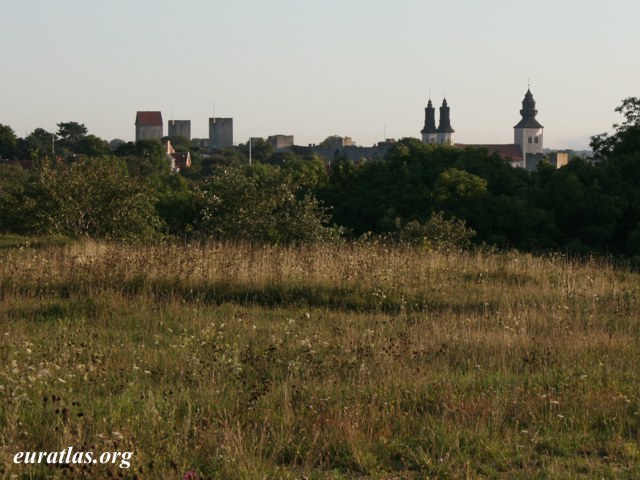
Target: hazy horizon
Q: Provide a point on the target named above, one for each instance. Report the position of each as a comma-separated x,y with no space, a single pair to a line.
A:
352,68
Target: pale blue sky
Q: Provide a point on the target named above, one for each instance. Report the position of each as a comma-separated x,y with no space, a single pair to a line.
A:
313,69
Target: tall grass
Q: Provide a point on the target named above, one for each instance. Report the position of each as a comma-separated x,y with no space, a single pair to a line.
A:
357,361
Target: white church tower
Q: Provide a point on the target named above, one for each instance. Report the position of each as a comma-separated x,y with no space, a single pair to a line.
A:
528,133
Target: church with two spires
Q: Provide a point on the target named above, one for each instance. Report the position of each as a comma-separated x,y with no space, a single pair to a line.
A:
526,151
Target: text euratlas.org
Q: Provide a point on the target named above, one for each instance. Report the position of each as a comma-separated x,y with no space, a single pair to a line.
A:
69,456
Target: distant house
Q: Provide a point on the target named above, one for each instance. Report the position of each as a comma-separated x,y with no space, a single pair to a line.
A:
507,151
177,160
148,125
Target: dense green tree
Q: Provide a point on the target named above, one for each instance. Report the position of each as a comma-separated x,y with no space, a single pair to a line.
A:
261,149
38,145
71,131
202,167
262,208
13,181
146,159
94,198
178,142
437,233
8,142
331,141
626,139
115,144
416,179
92,146
179,204
456,188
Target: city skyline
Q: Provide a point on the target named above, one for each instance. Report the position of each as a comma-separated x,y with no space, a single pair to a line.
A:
357,69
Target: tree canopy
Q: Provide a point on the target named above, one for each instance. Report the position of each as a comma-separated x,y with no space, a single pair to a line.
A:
8,142
71,131
420,194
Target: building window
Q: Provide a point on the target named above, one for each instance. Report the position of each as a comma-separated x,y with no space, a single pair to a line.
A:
530,139
535,140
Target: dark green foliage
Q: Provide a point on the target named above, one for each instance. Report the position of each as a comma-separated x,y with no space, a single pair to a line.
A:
437,233
8,142
585,207
178,142
626,139
331,141
178,206
13,180
261,204
204,166
37,145
92,146
94,198
146,159
425,194
261,149
71,131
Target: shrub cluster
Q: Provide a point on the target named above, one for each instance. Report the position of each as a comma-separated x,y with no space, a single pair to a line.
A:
438,197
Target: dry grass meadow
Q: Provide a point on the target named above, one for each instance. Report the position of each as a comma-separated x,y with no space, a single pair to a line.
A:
344,362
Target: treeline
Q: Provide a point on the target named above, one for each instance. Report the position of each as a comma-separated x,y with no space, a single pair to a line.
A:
582,207
419,193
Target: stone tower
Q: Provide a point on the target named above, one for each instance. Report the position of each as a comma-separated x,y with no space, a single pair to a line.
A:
180,128
528,133
429,132
220,133
445,133
148,125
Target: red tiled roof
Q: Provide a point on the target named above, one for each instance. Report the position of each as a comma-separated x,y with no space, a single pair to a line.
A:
507,151
183,160
149,119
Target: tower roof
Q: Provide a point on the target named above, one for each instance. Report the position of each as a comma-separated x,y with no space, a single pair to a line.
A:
528,112
445,119
149,119
429,119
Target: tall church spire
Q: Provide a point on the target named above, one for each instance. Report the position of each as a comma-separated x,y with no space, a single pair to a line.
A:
445,118
528,112
528,133
429,131
445,132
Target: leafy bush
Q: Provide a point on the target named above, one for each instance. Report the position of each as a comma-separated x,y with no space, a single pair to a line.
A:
265,208
94,198
438,233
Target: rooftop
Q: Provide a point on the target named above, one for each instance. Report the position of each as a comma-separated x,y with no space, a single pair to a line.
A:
149,119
